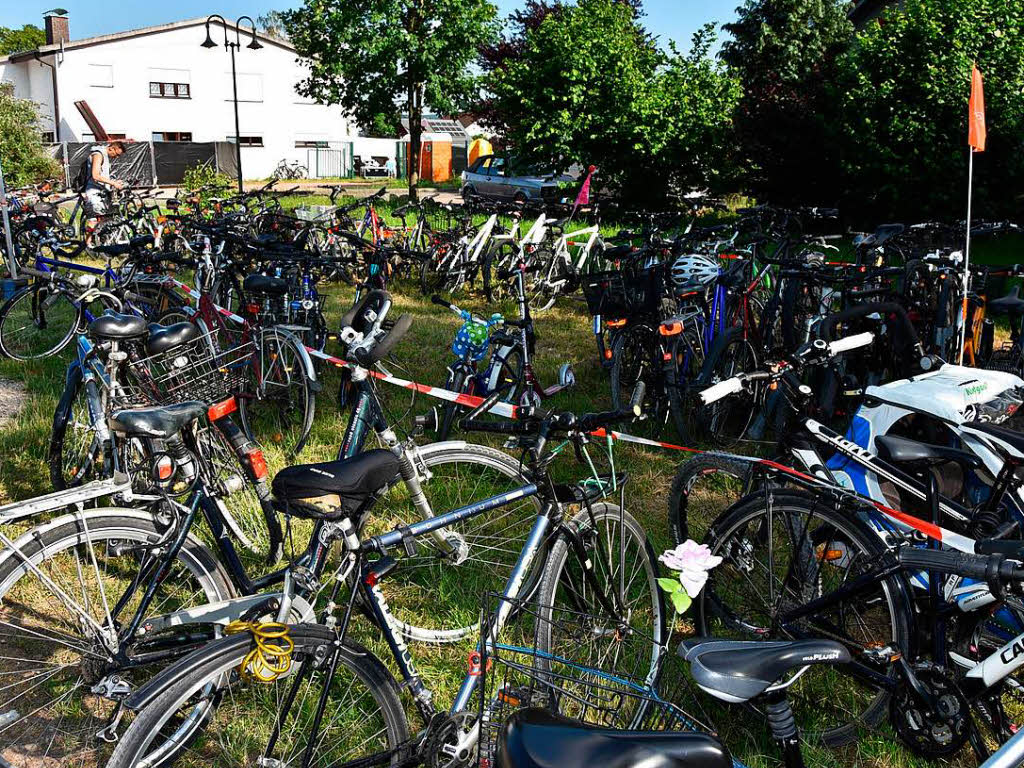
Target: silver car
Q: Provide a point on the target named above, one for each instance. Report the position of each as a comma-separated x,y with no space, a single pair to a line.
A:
489,177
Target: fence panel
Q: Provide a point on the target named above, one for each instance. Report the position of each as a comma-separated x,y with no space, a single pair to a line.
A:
324,163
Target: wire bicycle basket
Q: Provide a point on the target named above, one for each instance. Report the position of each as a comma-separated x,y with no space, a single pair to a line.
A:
195,370
617,293
654,694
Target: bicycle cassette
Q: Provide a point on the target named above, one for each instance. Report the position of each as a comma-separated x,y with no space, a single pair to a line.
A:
931,732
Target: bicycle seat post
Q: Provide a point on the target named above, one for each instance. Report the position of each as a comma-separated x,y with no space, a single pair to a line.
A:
783,727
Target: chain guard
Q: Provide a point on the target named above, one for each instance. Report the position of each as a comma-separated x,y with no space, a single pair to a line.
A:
925,732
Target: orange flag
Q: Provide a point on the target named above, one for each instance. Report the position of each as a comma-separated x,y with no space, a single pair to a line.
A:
976,112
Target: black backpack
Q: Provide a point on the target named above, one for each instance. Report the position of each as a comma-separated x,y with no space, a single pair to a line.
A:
81,180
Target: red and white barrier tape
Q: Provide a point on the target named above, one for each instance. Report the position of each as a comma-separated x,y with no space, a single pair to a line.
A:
470,401
195,294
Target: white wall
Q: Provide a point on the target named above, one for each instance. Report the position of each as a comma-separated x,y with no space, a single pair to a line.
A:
269,106
365,147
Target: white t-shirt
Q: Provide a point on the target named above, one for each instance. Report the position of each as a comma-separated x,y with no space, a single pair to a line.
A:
104,167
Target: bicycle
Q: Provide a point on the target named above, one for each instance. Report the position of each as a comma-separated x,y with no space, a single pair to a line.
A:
372,721
114,612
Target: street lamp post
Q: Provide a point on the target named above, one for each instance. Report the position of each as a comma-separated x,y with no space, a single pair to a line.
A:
232,46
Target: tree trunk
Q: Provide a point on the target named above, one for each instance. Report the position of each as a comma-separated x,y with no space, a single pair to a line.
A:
415,136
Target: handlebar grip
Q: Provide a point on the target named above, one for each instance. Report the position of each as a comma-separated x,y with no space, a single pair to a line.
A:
636,403
37,272
500,427
383,347
722,389
959,563
588,422
435,299
848,343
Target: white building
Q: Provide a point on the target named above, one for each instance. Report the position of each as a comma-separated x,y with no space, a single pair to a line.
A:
159,84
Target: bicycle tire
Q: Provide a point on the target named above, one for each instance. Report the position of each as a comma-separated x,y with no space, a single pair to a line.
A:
730,355
209,679
41,631
63,313
691,481
473,471
280,389
456,383
561,596
853,704
70,409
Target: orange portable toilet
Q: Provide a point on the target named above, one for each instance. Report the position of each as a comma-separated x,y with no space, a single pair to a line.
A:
441,168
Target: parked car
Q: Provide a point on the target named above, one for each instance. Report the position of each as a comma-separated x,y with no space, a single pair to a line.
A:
496,177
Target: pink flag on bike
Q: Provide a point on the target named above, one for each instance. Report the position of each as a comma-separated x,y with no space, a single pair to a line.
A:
583,198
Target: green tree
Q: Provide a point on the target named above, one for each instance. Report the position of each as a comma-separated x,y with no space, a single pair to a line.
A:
588,84
903,88
784,53
370,56
21,148
24,39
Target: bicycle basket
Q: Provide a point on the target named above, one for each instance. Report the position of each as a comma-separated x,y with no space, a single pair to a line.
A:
647,691
1007,359
616,293
195,370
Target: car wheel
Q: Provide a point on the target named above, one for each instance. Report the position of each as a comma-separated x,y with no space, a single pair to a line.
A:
520,198
468,192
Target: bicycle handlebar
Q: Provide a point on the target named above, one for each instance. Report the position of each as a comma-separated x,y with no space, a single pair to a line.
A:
972,566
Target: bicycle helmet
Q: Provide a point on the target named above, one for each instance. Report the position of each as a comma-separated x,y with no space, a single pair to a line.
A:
693,271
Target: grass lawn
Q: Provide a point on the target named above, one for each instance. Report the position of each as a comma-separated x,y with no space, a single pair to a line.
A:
563,336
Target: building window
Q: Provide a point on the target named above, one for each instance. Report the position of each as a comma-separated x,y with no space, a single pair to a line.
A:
48,137
311,144
101,75
249,141
170,91
172,136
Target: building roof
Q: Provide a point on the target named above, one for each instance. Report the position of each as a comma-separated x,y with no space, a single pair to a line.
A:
85,42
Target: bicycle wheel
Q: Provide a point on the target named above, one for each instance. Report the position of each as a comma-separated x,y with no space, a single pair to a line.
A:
687,360
75,454
278,405
630,364
497,258
781,555
482,549
703,488
363,717
38,321
726,422
58,589
573,622
451,412
548,282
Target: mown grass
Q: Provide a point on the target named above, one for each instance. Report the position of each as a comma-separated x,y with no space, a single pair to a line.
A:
563,336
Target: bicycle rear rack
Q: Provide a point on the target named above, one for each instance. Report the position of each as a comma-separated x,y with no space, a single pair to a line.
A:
18,510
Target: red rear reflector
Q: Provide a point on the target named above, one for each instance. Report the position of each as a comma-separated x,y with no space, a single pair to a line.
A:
615,323
670,329
221,409
257,463
164,468
607,354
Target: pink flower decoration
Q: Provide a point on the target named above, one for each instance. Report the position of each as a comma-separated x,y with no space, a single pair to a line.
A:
692,561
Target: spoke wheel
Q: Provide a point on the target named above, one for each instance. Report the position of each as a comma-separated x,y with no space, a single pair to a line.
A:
37,322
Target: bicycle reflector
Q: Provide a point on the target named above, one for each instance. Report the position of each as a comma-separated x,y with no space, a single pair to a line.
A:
221,409
257,463
616,323
670,328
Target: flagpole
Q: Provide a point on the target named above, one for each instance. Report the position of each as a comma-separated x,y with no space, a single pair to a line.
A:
967,256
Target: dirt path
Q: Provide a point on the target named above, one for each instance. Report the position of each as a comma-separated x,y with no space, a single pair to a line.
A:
12,398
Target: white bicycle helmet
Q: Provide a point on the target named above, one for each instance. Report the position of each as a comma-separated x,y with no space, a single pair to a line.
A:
694,270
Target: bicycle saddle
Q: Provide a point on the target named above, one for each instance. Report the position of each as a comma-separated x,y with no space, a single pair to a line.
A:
122,249
883,233
271,286
161,421
112,325
165,337
332,490
900,450
538,738
738,670
1011,303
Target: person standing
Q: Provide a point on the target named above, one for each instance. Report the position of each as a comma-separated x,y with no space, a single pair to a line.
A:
99,183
